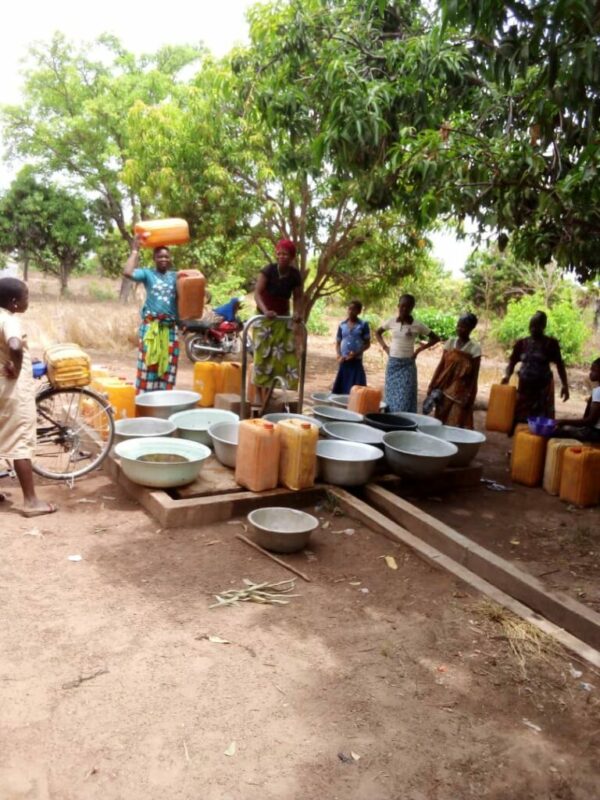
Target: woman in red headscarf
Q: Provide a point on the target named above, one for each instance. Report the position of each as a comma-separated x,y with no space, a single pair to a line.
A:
274,346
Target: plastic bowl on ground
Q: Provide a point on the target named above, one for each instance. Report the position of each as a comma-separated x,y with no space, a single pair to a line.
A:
332,414
194,424
164,403
541,426
347,463
353,432
224,437
417,455
424,423
321,398
281,415
161,474
140,427
467,441
390,422
282,530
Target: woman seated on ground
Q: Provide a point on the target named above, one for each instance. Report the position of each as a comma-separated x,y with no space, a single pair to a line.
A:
401,371
455,379
17,395
353,338
536,352
586,428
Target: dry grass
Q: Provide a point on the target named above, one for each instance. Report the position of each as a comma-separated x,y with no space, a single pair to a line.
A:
107,326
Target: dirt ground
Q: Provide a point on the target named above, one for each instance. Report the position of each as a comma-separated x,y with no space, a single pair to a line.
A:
109,688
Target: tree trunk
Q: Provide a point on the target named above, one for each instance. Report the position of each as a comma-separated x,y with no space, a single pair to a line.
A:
125,290
63,276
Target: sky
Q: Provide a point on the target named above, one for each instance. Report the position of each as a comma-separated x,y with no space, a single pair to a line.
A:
142,27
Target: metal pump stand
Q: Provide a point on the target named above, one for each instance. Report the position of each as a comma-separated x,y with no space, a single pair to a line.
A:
244,411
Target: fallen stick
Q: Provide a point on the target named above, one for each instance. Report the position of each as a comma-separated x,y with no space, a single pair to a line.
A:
82,678
273,558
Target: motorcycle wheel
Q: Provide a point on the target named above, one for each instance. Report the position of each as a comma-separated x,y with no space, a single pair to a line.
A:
194,343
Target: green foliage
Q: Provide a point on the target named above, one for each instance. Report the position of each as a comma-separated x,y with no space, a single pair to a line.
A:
101,293
441,322
316,322
223,289
493,278
564,322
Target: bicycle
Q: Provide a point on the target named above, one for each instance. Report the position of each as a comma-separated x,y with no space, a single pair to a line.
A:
75,430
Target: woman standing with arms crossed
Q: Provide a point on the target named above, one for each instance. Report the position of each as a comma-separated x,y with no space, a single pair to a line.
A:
401,372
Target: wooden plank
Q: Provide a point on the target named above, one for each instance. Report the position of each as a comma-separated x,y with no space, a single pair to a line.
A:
575,617
378,522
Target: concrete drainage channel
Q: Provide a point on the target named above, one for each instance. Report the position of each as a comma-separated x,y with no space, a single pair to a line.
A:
573,624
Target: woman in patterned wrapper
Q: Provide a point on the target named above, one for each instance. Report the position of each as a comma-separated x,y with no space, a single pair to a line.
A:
158,346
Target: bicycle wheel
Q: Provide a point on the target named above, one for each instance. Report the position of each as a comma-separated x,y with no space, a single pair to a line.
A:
75,431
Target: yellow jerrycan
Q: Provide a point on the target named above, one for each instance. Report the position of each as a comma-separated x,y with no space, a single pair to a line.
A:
298,459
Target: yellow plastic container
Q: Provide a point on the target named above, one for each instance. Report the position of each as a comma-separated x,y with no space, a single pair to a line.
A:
528,458
555,452
364,400
257,460
98,371
68,366
298,458
501,408
190,294
580,480
206,381
102,384
122,399
230,378
163,232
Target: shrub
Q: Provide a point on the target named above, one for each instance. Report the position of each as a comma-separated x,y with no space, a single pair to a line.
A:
564,322
316,322
441,322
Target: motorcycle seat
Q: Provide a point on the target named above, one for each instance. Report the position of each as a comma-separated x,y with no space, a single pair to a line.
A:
195,325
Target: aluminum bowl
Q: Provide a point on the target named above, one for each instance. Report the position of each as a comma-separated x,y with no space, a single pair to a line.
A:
194,424
321,398
417,455
140,427
331,414
160,474
163,403
347,463
224,438
280,416
467,441
282,530
353,432
340,400
424,423
390,422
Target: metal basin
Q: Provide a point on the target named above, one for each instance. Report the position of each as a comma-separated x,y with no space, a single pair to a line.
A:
224,437
332,414
163,403
417,455
282,530
347,463
280,416
140,427
161,474
354,432
390,422
339,400
467,441
194,424
424,423
321,398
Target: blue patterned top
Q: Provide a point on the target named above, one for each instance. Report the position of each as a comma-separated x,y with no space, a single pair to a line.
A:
353,338
161,291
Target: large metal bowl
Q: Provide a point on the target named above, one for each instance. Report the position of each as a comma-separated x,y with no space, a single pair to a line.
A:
354,432
468,443
194,424
140,427
280,416
424,423
163,403
331,414
417,455
339,400
161,475
321,398
282,530
224,437
347,463
390,422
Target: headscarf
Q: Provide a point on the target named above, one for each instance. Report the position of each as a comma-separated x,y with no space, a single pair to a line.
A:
288,246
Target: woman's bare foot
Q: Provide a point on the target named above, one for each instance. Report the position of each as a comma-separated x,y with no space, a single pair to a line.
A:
37,508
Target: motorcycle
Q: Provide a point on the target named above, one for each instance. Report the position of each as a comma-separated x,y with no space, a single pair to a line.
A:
205,340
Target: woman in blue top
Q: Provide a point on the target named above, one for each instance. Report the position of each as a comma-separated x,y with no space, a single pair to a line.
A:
158,346
228,312
353,338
